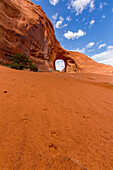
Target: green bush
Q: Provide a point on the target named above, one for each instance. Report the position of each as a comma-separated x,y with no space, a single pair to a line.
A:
15,65
20,62
21,59
33,68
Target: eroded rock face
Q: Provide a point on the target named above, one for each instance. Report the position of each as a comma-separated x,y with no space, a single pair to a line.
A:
25,28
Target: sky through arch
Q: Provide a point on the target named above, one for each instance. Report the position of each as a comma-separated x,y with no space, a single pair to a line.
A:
59,65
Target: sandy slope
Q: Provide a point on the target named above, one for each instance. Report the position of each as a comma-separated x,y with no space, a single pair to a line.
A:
55,121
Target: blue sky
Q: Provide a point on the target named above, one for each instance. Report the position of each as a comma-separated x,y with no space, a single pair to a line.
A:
83,25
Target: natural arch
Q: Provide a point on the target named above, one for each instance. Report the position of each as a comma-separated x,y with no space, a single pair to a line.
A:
68,65
60,54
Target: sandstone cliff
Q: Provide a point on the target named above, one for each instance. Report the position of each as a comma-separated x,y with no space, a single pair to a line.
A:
25,28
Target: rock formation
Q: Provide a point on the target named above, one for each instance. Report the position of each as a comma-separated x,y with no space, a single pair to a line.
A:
25,28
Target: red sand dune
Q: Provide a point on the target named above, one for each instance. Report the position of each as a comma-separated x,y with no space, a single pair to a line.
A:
55,121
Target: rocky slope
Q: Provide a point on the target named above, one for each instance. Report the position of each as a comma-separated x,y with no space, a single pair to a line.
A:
25,28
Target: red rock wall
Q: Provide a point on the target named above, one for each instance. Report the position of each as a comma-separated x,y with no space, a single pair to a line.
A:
25,28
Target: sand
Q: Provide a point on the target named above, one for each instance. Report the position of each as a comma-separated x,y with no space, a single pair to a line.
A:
55,121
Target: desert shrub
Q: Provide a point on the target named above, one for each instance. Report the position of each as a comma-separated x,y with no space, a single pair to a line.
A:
20,62
21,59
15,65
33,68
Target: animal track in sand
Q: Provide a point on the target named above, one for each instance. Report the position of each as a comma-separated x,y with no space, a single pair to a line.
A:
5,91
52,146
45,109
54,134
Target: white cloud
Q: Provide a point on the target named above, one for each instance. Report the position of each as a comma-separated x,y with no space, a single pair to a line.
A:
72,35
79,5
92,22
60,22
53,2
103,16
105,57
61,18
110,47
99,42
102,45
83,19
65,25
81,50
54,17
108,61
102,5
91,44
68,18
92,6
91,50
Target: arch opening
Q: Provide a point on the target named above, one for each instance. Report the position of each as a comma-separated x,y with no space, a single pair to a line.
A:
60,65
